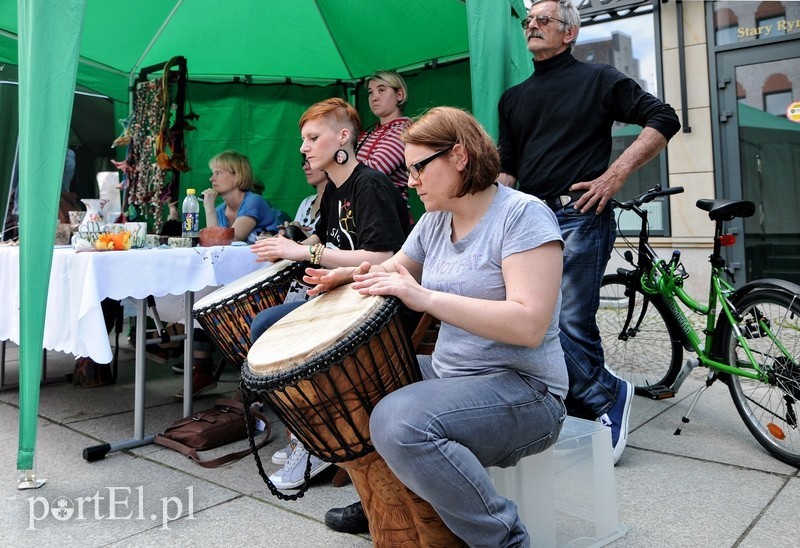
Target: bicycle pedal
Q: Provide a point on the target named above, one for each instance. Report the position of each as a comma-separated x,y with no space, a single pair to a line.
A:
656,392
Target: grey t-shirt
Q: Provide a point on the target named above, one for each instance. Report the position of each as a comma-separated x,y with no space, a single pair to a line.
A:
515,222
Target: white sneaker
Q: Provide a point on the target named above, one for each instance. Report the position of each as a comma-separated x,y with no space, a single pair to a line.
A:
281,456
291,476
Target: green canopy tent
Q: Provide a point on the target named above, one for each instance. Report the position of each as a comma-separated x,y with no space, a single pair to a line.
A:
46,95
273,48
308,41
296,45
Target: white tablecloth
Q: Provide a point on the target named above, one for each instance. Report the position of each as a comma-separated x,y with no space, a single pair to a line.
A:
80,281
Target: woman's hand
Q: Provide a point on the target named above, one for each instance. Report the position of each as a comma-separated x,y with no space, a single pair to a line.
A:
324,279
209,196
400,283
276,248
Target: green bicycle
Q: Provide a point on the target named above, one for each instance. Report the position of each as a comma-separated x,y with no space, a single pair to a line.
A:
750,340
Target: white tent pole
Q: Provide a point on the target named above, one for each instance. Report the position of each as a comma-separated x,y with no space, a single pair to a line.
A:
95,64
155,38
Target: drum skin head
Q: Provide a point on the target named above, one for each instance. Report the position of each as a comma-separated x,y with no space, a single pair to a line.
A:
310,329
323,368
240,284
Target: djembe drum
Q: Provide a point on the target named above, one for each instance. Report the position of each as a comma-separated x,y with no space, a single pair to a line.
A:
226,314
323,368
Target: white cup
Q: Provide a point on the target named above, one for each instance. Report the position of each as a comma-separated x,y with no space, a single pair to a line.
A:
138,233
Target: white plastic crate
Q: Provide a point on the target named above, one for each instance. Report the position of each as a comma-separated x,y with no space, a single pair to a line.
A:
567,495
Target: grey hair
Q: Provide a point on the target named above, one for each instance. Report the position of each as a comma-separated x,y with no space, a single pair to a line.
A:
568,13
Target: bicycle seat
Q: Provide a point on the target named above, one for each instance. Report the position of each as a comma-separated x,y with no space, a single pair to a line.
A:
726,210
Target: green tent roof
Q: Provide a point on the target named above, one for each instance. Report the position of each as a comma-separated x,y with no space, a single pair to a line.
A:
306,40
311,41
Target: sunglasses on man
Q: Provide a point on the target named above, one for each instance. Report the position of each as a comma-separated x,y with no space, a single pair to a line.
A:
542,20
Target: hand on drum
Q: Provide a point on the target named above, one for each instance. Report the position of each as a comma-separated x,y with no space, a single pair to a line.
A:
399,283
275,249
324,279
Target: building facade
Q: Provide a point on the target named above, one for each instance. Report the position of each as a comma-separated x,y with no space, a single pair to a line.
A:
731,70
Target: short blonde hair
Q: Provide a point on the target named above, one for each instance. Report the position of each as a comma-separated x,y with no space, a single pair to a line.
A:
238,164
394,81
443,127
335,111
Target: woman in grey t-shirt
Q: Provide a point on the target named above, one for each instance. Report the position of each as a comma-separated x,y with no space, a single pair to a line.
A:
486,261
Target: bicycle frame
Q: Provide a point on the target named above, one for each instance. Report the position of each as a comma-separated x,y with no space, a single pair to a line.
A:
664,280
750,337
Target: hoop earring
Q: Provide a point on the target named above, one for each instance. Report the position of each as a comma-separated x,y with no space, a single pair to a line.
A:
341,156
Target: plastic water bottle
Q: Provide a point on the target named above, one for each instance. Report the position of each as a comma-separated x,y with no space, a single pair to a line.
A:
190,216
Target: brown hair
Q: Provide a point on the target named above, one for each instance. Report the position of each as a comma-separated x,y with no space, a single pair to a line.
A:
238,164
441,127
338,113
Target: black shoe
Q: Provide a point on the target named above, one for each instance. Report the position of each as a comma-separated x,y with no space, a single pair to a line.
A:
350,519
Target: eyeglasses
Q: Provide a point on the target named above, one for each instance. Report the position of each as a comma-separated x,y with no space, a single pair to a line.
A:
542,20
416,169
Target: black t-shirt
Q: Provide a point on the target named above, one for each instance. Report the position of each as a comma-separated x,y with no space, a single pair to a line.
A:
367,212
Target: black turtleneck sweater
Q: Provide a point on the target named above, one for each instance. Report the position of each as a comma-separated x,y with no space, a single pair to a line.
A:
555,127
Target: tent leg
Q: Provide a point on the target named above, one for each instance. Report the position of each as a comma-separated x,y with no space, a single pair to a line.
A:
29,481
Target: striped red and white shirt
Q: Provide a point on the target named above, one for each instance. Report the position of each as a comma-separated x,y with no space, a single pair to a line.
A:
382,149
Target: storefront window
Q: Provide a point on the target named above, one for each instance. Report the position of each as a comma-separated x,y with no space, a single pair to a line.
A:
629,45
738,22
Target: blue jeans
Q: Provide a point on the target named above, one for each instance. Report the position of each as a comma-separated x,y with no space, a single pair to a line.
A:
438,435
588,242
267,318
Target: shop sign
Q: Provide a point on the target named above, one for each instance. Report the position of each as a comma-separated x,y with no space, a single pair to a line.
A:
781,26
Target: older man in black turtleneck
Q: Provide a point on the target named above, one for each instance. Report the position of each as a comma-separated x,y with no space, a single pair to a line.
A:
555,143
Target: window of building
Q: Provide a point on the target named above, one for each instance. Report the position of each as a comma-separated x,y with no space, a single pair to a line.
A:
777,93
725,24
629,45
771,15
741,93
743,21
776,103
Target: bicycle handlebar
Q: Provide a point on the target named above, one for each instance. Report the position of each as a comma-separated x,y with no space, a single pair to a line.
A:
648,196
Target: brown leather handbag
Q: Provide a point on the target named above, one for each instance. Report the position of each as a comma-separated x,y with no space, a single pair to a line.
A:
222,424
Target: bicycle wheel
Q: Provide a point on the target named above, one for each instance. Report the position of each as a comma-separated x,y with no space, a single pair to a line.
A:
770,323
644,352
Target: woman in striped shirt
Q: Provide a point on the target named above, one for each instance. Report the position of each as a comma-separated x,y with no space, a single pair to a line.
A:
381,147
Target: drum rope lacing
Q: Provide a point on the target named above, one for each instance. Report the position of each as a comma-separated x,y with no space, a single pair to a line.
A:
361,338
251,438
330,356
227,322
364,384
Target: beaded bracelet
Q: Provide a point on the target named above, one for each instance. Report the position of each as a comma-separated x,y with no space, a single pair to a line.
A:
319,254
316,254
